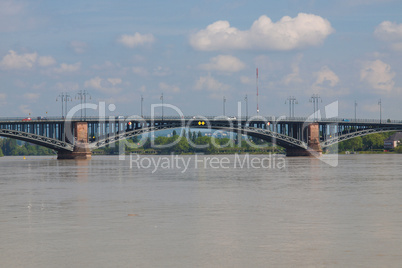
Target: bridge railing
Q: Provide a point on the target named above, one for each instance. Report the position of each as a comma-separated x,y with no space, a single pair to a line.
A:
209,117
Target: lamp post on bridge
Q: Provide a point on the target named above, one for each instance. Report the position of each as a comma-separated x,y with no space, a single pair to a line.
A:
64,98
292,101
246,99
379,103
224,104
314,99
142,100
82,95
162,105
355,111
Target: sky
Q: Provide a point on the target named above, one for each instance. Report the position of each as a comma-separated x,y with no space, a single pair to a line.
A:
199,52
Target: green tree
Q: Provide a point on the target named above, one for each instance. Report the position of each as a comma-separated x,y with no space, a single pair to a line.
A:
354,144
1,152
373,141
182,146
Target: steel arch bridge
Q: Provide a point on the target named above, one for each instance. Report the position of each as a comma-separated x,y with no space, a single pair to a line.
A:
291,133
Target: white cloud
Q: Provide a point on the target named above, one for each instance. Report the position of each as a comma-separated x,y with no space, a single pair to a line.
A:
136,40
378,75
67,68
141,71
107,65
168,88
114,81
289,33
107,85
162,71
224,63
326,77
31,96
46,61
390,32
14,61
210,84
326,82
294,76
79,47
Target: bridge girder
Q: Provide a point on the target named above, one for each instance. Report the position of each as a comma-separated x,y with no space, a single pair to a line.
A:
359,133
270,136
37,139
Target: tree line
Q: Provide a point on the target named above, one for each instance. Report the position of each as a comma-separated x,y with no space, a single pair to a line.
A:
10,147
189,143
366,143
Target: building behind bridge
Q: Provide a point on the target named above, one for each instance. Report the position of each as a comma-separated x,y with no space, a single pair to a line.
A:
393,141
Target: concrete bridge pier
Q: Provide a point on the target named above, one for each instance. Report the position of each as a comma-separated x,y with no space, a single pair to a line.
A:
81,146
313,141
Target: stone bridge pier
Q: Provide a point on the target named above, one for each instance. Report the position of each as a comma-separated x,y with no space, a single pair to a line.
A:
313,142
81,145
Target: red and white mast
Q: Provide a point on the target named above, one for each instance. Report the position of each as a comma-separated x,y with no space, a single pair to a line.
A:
256,82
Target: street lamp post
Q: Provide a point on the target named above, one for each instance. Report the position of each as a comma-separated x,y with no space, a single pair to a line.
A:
162,105
292,101
355,111
142,100
82,95
224,104
64,98
379,103
314,99
246,99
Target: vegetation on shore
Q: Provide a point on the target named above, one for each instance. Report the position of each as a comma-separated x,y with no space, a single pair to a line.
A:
11,147
370,143
196,143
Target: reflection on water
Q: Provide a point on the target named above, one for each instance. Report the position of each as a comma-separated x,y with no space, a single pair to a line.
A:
101,213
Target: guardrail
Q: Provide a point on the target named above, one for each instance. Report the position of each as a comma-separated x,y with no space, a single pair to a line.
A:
272,119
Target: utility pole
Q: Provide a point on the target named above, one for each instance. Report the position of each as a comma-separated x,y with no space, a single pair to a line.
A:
292,101
355,111
142,100
82,95
224,104
379,103
162,105
246,99
64,98
314,99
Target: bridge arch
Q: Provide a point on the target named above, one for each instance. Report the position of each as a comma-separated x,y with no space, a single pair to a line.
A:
37,139
264,134
359,133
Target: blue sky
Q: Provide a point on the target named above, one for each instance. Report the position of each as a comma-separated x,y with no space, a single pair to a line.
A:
197,52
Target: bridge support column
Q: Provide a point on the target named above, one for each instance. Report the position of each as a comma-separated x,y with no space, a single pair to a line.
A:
313,141
81,146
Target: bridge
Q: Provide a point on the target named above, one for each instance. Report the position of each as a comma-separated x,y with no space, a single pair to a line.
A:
75,138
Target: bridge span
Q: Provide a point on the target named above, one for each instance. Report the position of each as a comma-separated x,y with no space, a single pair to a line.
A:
75,138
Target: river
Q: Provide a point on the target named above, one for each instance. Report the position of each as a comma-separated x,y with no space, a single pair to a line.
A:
149,211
